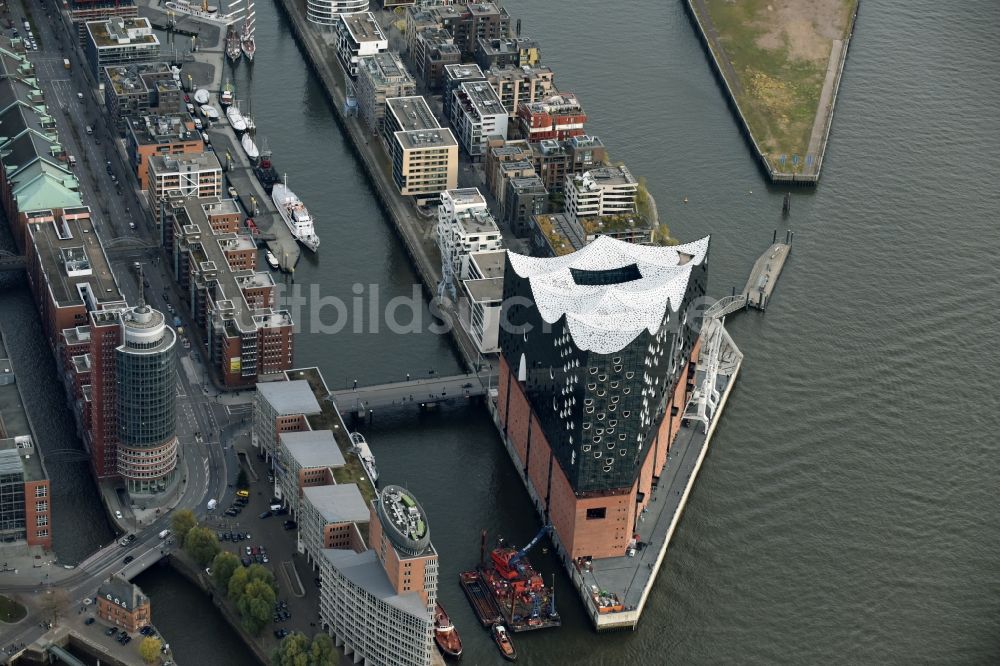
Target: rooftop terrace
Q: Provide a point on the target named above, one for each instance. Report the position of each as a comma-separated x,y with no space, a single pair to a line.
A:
118,31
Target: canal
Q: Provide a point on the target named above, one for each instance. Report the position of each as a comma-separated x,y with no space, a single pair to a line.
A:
846,510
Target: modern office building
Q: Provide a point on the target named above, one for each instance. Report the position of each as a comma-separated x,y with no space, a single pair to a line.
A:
477,114
358,35
483,292
464,226
25,490
159,135
328,12
140,90
233,305
517,85
122,604
605,190
197,175
120,41
378,605
331,516
507,52
554,160
304,459
146,372
595,371
556,117
280,407
380,77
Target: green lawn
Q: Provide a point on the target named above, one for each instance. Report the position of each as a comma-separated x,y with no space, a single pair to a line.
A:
779,52
10,610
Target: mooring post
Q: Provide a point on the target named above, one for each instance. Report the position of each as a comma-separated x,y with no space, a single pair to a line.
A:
774,237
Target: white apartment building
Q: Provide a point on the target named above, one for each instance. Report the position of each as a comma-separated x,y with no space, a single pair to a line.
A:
358,35
327,12
609,190
483,291
464,226
477,114
192,175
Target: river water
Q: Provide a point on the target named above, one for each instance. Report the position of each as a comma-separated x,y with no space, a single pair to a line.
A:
847,509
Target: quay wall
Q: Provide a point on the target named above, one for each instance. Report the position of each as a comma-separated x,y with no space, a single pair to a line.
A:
398,208
703,25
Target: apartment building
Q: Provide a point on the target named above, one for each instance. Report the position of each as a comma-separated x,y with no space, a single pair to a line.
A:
605,190
464,226
483,292
477,114
523,198
380,77
454,76
517,85
330,517
196,175
152,135
379,604
328,12
507,52
556,117
140,90
434,50
358,35
424,155
555,160
82,11
479,20
304,459
120,41
232,304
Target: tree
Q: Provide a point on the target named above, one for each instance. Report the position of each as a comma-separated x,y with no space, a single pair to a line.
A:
292,651
54,602
237,583
242,482
322,653
149,649
223,567
201,544
256,605
181,522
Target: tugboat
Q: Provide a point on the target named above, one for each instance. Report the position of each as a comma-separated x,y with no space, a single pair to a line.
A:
228,92
504,644
445,634
264,169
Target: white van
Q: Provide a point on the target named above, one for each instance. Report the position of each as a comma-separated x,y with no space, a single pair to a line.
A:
90,130
164,534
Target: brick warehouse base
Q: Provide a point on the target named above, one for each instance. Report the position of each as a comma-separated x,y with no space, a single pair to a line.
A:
658,508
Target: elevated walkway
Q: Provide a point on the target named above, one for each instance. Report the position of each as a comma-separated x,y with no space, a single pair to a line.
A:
360,400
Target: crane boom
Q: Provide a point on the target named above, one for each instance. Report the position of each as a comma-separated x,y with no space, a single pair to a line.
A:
531,544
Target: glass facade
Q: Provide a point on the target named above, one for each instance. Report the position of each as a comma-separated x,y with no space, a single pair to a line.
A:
12,526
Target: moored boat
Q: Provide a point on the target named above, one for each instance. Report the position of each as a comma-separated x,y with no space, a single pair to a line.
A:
445,634
209,111
504,644
300,223
236,119
265,171
201,96
361,446
228,93
202,11
233,50
247,42
250,147
271,260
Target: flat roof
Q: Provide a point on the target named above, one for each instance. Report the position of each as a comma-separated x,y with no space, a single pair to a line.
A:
464,72
562,232
466,196
131,79
483,98
484,290
158,129
560,103
208,247
384,67
489,263
118,31
484,9
72,257
523,72
17,450
339,503
363,27
365,571
505,46
291,397
184,163
411,113
429,138
313,448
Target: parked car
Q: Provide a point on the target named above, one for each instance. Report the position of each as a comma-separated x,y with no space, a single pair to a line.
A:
118,515
89,620
280,633
111,631
128,559
246,561
265,514
290,524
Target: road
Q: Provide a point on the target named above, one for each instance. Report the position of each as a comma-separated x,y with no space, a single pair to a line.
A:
207,423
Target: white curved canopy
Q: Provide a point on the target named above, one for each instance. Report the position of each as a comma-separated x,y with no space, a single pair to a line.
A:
604,318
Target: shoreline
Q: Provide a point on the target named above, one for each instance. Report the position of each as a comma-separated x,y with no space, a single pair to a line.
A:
823,118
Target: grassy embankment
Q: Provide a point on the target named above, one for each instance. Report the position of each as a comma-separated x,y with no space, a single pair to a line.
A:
779,50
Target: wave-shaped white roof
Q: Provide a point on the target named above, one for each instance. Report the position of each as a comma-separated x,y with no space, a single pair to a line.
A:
605,318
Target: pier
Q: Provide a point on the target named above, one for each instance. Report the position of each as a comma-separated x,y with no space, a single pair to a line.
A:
760,285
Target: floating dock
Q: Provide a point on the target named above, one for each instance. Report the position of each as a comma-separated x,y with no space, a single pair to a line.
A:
483,603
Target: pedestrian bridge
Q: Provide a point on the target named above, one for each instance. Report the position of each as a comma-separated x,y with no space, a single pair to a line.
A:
11,262
363,400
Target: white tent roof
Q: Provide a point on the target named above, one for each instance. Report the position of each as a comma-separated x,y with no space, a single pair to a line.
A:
604,318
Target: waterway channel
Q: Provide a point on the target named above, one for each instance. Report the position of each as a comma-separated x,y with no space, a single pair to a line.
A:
846,510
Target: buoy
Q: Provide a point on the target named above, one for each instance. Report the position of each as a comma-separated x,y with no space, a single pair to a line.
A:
685,199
